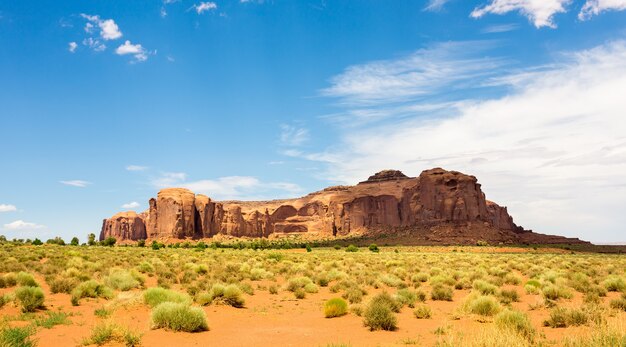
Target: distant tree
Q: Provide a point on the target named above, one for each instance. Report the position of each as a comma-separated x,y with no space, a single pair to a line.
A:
374,248
91,239
156,246
37,242
3,238
56,241
201,245
352,248
109,241
74,241
141,243
308,248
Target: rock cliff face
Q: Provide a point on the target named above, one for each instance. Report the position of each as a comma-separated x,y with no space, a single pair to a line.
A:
438,202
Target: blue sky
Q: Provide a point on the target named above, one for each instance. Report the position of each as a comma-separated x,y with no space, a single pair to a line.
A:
102,103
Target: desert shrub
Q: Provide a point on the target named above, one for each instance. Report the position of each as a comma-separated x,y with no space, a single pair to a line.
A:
484,287
62,284
30,298
16,337
273,289
298,283
90,289
3,300
619,303
357,310
562,317
25,279
179,317
379,314
614,284
52,319
552,292
107,332
392,281
102,312
422,312
373,248
517,322
481,305
406,297
421,296
512,279
419,277
508,296
441,293
352,248
605,336
353,294
145,267
299,293
335,307
155,296
9,280
123,280
228,295
109,241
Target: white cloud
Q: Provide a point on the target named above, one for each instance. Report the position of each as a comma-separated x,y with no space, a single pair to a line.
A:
293,136
72,47
435,5
500,28
594,7
21,225
7,208
109,30
94,44
229,187
539,12
552,148
76,183
131,205
137,51
437,70
136,168
204,6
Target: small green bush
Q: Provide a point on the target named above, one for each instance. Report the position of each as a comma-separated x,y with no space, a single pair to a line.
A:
104,333
179,317
373,248
229,295
422,312
30,298
27,280
563,317
335,307
62,284
441,293
156,295
619,303
483,305
517,322
52,319
484,287
90,289
16,337
406,297
123,280
379,316
508,296
352,248
388,300
614,284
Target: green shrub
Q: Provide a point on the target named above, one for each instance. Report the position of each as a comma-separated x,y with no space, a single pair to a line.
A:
422,312
379,316
16,337
562,318
335,307
156,295
299,293
373,248
517,322
102,312
552,292
123,280
30,298
90,289
109,241
508,296
25,279
352,248
482,305
9,280
104,333
273,289
619,303
3,300
386,299
484,287
614,284
229,295
441,293
61,284
52,319
406,297
179,317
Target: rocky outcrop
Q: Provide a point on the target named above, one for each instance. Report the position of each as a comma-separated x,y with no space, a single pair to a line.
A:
124,226
444,203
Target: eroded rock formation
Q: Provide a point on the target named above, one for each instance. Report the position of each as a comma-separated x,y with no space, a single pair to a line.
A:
445,206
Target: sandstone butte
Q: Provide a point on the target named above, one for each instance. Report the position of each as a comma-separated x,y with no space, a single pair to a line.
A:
438,207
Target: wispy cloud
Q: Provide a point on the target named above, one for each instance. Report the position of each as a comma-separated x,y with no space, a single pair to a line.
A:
131,205
136,168
22,225
7,208
530,149
500,28
72,46
229,187
95,44
293,136
204,6
595,7
76,183
435,5
539,12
